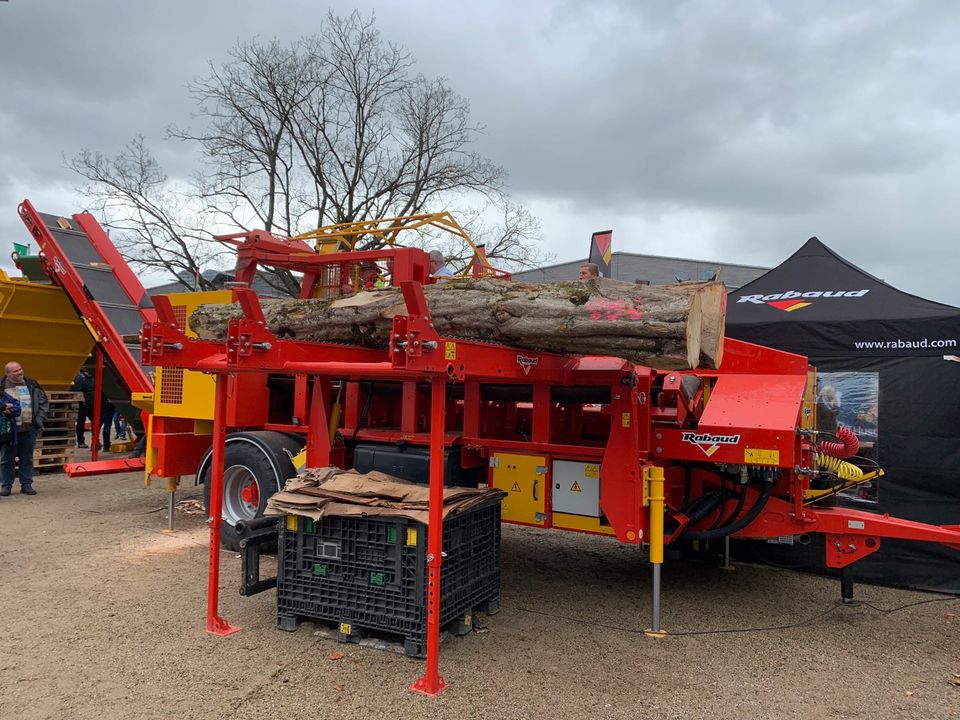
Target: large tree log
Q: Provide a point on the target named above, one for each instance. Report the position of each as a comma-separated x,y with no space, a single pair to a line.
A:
666,327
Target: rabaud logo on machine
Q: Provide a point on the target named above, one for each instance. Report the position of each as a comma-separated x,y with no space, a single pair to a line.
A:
708,442
791,300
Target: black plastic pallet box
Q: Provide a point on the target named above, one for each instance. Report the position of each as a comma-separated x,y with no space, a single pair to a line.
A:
370,573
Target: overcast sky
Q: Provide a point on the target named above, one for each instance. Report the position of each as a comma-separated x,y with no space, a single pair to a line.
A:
724,131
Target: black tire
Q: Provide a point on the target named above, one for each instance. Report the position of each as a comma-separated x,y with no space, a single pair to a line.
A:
255,466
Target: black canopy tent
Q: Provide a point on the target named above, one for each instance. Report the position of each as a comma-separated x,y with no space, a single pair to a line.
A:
857,329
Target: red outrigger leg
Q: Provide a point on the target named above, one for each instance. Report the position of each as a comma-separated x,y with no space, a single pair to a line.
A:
217,625
431,683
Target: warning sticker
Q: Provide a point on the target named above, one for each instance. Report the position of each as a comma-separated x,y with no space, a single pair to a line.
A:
515,488
575,487
591,471
757,456
449,351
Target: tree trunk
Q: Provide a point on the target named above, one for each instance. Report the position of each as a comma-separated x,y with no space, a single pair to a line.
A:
665,327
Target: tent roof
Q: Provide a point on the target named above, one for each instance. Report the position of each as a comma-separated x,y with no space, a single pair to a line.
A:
815,275
818,303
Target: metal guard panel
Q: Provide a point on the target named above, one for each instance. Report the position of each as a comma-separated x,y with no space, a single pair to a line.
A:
754,402
740,357
749,419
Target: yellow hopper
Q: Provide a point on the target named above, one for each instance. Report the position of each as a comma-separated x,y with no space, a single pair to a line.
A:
40,329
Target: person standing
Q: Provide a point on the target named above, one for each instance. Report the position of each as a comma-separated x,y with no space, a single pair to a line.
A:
84,384
107,411
9,412
34,407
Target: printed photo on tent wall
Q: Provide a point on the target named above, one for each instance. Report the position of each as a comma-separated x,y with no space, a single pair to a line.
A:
851,399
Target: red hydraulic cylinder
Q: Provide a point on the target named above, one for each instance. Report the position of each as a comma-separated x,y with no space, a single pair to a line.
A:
431,683
217,625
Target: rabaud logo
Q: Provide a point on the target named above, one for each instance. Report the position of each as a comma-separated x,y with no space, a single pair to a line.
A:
526,363
709,443
792,300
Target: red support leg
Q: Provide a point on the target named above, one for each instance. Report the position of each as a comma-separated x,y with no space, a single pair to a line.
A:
217,625
97,405
318,432
431,683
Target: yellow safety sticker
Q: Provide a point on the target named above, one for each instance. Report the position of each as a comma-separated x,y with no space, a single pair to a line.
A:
449,351
575,487
346,629
291,522
515,488
756,456
411,536
591,471
625,419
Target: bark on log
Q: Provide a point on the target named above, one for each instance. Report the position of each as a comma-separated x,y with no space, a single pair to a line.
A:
665,327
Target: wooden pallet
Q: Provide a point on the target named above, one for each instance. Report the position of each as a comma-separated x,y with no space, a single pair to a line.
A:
58,442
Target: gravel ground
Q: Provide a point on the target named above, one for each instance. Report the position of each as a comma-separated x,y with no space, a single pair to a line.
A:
104,618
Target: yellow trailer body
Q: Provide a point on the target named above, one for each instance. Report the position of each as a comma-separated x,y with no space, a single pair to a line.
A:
182,393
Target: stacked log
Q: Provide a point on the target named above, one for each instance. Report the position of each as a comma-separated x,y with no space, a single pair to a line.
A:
665,327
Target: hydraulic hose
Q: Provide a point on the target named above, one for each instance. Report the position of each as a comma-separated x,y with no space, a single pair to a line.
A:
723,502
847,447
844,470
741,498
701,507
736,525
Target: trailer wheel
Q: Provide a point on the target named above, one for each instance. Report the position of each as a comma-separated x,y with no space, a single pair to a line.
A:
255,466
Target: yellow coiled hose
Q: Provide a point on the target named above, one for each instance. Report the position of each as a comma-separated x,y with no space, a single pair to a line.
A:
844,470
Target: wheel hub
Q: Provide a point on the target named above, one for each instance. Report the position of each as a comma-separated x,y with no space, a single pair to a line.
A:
250,495
241,494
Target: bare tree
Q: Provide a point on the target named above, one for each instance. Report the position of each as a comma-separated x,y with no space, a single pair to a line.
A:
508,232
335,128
152,223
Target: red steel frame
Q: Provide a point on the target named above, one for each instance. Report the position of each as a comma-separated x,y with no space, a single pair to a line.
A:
755,396
646,433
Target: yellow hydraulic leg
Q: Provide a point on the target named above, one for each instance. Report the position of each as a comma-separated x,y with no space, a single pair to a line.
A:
654,477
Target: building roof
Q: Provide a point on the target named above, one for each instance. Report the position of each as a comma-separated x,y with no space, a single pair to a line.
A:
652,268
218,278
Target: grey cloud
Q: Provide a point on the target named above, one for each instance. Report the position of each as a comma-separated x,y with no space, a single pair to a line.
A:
765,121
